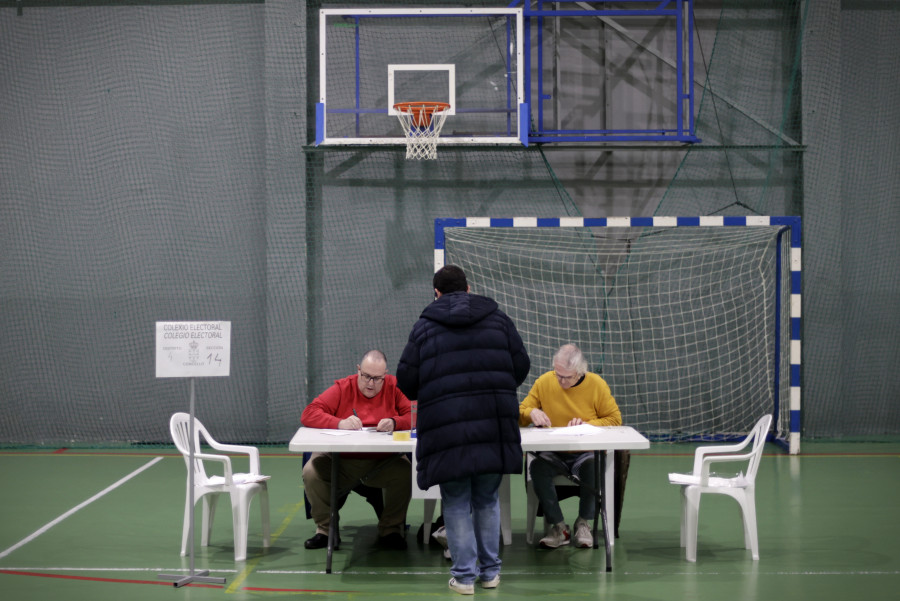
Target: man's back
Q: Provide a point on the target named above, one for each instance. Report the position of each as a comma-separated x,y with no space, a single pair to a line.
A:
463,363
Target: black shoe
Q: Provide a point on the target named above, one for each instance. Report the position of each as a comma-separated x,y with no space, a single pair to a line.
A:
393,541
320,541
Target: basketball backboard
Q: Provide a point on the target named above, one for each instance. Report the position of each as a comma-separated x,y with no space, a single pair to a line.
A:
471,58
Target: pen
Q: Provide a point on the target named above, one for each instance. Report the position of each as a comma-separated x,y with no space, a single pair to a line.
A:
355,413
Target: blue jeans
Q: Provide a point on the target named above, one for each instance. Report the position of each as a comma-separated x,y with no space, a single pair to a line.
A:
471,509
550,464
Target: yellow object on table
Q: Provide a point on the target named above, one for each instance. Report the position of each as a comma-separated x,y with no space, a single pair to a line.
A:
401,435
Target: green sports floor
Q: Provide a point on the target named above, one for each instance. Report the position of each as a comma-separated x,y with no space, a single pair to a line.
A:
104,524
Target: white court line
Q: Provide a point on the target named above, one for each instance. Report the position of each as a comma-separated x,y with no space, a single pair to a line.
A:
49,525
519,572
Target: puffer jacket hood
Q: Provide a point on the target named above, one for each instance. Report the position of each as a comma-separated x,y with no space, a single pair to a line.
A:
463,364
459,309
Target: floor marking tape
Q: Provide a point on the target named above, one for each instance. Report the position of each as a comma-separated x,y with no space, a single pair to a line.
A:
248,569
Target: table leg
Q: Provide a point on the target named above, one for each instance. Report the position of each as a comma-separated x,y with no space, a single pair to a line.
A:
601,476
610,467
598,508
333,525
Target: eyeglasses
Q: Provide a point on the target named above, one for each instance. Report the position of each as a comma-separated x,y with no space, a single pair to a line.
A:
368,378
566,378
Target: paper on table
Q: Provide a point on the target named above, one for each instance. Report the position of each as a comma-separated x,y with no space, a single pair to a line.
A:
248,478
736,481
239,479
337,432
575,430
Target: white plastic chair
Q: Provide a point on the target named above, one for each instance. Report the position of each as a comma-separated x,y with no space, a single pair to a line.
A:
239,487
740,487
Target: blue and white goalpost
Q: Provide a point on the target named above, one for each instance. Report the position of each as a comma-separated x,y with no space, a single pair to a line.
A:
693,321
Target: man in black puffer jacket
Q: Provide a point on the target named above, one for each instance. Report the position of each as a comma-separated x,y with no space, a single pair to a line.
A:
463,363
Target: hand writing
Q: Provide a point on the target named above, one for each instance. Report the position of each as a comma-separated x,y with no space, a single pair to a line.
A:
350,423
539,418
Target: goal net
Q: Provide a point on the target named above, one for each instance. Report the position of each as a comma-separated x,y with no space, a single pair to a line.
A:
689,320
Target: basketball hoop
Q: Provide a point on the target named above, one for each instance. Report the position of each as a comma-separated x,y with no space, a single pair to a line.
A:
422,122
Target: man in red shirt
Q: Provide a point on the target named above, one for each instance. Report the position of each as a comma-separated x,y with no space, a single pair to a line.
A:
368,398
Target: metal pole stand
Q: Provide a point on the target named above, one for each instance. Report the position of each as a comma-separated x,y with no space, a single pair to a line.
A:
179,580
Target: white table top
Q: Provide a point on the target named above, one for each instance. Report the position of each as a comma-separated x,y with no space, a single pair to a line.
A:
589,438
583,438
348,441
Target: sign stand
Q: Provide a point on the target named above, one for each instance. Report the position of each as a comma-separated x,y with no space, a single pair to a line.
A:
192,349
181,580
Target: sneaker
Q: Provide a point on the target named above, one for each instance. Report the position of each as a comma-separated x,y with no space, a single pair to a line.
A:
492,583
557,537
462,589
583,537
440,537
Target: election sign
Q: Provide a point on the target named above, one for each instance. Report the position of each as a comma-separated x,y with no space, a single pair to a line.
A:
193,349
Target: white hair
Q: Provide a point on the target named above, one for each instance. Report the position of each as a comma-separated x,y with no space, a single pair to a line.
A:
570,356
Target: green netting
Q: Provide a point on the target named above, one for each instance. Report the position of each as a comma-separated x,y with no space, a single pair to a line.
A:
157,164
684,323
750,157
807,128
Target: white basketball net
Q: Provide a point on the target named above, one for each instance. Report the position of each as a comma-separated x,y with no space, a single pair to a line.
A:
421,132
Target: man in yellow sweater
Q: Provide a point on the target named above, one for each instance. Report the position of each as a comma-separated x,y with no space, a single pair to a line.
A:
567,396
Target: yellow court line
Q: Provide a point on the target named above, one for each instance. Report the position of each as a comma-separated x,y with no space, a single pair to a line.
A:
251,565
